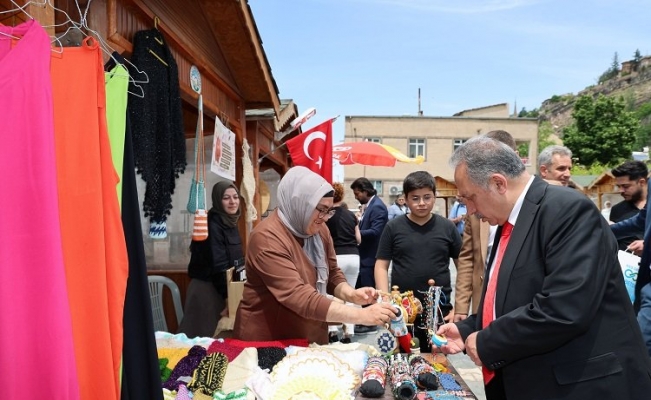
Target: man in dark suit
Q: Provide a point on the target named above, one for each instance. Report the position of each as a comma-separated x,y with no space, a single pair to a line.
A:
371,225
555,320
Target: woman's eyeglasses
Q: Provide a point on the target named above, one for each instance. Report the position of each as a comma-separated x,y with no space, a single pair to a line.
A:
326,213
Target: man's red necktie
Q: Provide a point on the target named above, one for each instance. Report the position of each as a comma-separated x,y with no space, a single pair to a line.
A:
488,310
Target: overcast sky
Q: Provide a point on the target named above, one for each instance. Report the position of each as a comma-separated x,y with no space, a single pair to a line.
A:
370,57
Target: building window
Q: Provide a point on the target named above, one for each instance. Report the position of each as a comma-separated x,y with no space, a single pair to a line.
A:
377,185
416,147
458,143
373,139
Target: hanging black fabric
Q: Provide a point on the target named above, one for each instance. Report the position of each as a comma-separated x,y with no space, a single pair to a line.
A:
141,375
157,123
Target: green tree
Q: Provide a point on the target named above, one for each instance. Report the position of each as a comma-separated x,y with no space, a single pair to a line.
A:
528,114
614,66
602,132
594,169
643,135
637,57
612,71
545,132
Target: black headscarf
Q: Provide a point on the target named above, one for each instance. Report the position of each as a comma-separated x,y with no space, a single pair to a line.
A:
217,206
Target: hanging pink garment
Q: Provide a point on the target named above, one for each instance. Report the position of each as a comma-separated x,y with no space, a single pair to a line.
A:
94,249
36,344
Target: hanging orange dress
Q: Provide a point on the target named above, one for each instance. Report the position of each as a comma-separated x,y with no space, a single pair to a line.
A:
94,249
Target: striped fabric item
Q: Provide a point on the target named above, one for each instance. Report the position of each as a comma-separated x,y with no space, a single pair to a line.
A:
200,226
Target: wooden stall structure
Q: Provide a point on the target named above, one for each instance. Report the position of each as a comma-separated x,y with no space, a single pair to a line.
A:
220,38
603,184
446,190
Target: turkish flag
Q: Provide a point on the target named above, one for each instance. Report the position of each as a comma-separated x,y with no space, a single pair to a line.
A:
313,149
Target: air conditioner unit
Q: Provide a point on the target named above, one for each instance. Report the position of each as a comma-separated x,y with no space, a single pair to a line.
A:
394,190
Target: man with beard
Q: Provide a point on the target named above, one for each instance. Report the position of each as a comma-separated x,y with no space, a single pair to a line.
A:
631,180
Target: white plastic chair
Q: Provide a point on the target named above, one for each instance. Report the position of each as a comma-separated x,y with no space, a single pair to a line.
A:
156,285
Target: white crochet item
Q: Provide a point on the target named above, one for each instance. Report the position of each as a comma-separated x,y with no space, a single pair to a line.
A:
247,188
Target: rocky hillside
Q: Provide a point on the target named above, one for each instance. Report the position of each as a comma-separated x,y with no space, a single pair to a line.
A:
633,83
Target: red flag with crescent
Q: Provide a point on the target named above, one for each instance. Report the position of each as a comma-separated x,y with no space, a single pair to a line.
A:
313,149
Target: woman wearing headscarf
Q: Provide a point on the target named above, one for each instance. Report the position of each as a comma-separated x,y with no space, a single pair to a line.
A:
207,291
291,266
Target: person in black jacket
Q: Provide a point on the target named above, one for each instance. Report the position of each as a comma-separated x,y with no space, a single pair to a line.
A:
344,229
207,291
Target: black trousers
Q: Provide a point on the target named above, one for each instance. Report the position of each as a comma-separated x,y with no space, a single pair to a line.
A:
366,277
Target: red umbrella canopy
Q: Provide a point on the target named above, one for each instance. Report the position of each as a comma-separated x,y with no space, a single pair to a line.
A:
370,153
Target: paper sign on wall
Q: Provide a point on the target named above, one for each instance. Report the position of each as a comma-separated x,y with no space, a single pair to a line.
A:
223,151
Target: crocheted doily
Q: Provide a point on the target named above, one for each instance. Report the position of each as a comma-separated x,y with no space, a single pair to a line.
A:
326,368
311,388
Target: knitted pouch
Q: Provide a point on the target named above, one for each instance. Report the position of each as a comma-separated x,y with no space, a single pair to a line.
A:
200,226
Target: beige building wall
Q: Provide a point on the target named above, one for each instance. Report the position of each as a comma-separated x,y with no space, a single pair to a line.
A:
494,111
439,134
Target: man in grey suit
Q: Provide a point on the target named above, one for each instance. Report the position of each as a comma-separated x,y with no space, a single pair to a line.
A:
555,320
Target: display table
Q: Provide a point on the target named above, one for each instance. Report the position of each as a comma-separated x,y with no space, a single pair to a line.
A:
281,370
465,392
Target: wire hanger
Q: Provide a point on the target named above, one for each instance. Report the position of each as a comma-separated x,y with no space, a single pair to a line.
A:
156,22
83,25
159,41
109,50
8,35
22,8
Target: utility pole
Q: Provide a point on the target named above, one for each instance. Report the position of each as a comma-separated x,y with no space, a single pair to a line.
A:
420,112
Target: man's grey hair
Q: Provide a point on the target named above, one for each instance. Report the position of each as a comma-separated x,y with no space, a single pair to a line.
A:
545,156
483,157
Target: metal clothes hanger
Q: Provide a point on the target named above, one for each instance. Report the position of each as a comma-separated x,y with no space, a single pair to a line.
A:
22,8
80,26
109,50
159,41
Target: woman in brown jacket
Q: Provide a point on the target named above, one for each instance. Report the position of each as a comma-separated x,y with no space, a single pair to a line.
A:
291,266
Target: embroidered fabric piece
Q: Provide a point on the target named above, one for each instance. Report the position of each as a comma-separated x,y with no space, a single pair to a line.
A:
185,367
209,375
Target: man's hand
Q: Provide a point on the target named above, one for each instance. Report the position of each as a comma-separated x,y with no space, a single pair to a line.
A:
636,247
460,317
471,349
455,343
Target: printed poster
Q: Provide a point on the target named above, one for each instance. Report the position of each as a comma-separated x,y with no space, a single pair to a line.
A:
223,152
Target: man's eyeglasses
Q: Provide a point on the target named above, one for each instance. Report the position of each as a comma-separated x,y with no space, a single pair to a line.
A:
428,198
326,213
